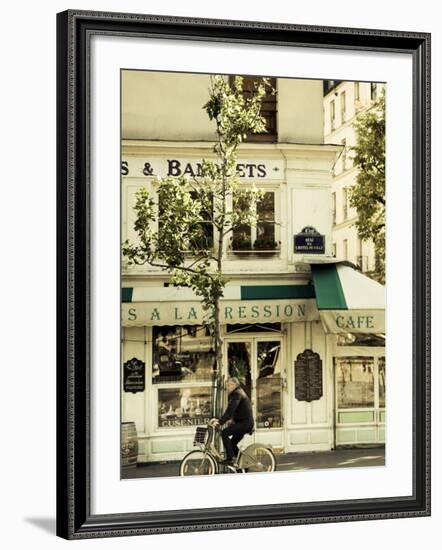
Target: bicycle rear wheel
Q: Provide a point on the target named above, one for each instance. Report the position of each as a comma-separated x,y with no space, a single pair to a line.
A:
197,463
259,459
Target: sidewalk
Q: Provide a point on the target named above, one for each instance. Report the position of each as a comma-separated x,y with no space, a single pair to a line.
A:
341,458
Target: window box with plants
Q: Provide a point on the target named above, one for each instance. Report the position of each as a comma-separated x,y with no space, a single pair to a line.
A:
241,246
266,246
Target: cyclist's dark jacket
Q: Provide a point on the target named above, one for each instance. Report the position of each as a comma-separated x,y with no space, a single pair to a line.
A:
239,408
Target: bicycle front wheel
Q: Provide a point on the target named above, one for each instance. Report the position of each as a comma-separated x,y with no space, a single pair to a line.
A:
198,463
259,459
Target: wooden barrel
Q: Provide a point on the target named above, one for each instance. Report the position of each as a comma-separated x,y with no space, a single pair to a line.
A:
129,445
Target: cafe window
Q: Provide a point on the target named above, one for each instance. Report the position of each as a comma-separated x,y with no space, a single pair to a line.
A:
182,354
181,407
355,383
260,238
360,382
381,367
268,108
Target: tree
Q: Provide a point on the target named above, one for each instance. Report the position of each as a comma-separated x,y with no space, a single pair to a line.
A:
368,193
183,229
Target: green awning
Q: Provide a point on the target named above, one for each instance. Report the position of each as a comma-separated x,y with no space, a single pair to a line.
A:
348,300
328,288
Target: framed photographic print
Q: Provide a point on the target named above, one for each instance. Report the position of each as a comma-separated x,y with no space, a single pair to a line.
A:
243,274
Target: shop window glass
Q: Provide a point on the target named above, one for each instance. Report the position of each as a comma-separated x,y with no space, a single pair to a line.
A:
381,364
178,407
182,354
268,385
355,383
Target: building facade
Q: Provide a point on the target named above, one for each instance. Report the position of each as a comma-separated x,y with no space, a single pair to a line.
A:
306,334
342,102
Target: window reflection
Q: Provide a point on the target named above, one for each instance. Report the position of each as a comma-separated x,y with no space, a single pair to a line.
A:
382,382
269,385
182,354
238,357
184,406
355,382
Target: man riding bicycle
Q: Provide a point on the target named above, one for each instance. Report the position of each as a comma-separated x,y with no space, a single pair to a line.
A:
238,418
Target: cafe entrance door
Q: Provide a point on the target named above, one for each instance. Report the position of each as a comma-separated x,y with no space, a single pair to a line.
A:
257,362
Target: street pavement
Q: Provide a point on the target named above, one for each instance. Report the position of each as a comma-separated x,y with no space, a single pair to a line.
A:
340,458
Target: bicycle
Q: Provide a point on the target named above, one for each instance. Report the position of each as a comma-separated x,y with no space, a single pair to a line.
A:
256,457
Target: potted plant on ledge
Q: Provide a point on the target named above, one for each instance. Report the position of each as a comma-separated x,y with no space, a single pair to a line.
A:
266,245
241,246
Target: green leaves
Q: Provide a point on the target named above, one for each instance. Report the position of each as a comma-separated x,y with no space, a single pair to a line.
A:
235,115
368,194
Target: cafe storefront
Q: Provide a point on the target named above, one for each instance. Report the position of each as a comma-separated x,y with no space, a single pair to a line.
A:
311,360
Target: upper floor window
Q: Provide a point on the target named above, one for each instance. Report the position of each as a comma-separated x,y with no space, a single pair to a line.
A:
345,203
260,237
373,90
332,114
268,108
344,153
343,107
204,239
357,91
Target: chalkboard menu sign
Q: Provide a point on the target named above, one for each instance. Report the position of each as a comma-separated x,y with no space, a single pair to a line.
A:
134,376
308,376
309,241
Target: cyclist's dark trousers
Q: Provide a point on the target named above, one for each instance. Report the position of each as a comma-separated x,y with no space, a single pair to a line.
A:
232,435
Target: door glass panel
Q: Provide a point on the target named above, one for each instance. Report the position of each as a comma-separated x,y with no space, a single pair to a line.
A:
239,361
355,382
268,385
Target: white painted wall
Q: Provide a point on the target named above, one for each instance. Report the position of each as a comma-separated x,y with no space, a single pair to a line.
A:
300,117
